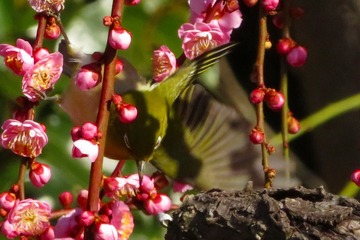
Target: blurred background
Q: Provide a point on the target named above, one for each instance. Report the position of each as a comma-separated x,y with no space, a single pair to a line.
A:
330,30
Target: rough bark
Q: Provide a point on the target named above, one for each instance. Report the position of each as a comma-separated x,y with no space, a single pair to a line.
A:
295,213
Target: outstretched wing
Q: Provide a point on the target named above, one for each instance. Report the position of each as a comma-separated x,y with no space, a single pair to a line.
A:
208,142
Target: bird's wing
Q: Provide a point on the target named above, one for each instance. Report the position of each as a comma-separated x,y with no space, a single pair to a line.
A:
208,142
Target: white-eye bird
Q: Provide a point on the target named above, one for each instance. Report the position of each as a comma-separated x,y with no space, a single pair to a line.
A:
181,129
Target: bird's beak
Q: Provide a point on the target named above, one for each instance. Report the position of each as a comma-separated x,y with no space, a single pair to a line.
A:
141,167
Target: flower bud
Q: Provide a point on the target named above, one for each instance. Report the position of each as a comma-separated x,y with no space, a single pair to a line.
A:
274,100
40,53
86,218
82,199
52,30
127,113
250,3
75,133
119,38
7,200
270,5
161,203
119,66
297,56
39,174
49,234
293,125
89,131
355,177
88,76
66,199
108,21
257,95
284,46
256,136
132,2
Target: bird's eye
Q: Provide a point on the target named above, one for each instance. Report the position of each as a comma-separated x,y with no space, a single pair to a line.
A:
158,141
126,140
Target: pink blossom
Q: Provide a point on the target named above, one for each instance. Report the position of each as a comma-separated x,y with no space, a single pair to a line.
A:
39,174
67,225
225,20
181,187
41,77
122,219
159,204
119,38
26,138
30,217
164,63
47,5
18,59
106,231
88,76
8,230
200,37
84,148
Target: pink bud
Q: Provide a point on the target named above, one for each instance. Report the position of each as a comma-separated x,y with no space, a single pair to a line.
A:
85,148
116,99
256,136
105,232
40,53
250,3
231,6
82,199
75,133
119,38
293,125
9,230
108,21
127,113
39,174
88,76
49,234
275,100
297,56
161,203
355,177
119,65
257,95
181,187
132,2
52,30
270,5
278,20
66,199
89,131
86,218
284,46
7,200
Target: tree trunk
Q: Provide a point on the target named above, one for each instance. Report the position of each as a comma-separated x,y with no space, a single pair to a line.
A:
295,213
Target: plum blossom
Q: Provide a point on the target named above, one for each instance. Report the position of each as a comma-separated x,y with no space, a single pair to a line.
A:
225,20
41,77
26,138
200,37
50,6
18,59
122,219
105,231
164,63
29,217
39,174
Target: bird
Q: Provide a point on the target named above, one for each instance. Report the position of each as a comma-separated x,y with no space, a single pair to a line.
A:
182,129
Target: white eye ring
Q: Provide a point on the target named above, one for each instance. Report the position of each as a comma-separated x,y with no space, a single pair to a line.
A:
126,140
157,144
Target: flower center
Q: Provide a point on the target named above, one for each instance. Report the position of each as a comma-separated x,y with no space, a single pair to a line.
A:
14,63
30,221
42,79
